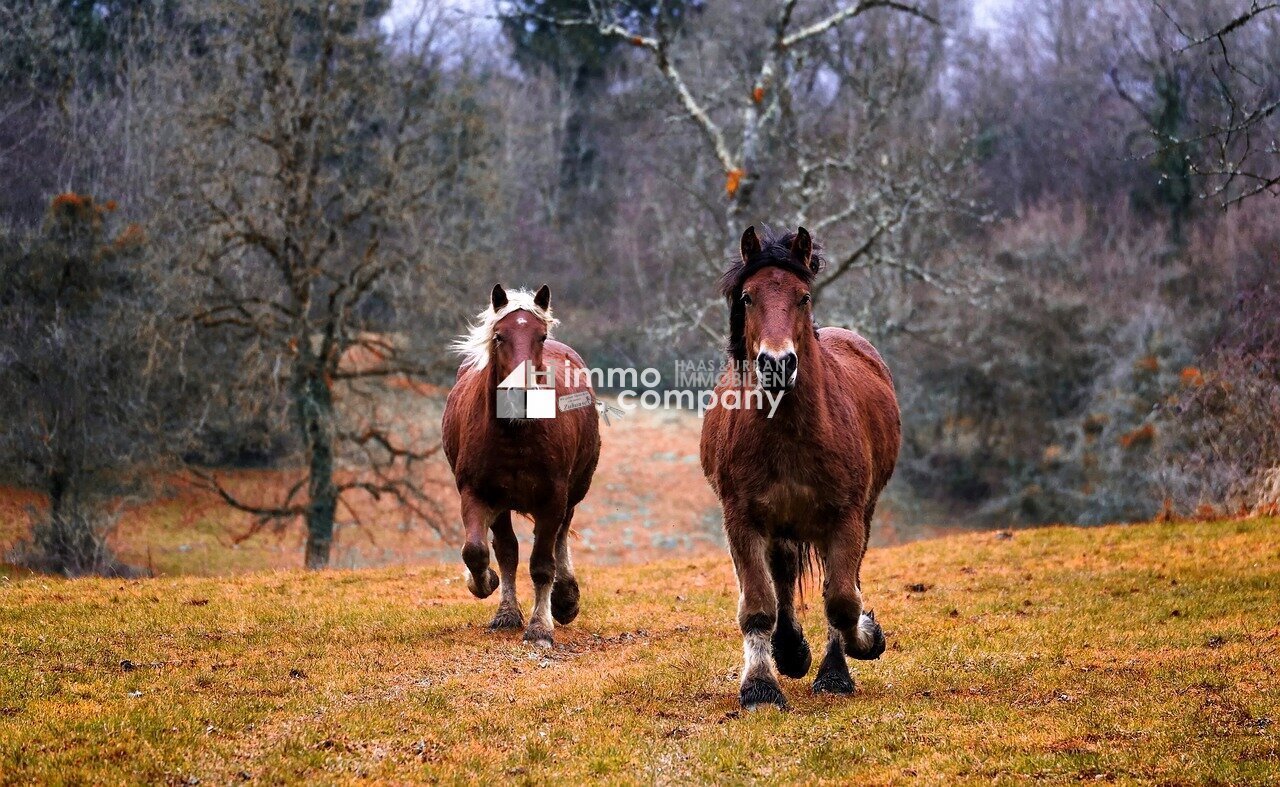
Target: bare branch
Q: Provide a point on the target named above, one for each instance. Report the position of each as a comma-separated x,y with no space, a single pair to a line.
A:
264,512
845,14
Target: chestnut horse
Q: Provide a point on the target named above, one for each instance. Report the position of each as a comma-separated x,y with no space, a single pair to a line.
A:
806,479
541,467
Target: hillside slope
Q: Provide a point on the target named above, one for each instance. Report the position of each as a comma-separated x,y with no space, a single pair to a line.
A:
1145,652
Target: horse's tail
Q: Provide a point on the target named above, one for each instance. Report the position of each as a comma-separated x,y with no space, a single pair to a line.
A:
808,568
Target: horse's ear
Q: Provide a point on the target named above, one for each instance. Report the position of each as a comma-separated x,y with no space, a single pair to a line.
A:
750,244
542,298
498,297
802,250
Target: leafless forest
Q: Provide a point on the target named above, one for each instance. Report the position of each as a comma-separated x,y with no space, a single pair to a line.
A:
239,234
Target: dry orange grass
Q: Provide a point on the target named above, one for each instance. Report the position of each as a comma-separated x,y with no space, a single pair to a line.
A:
1140,653
648,502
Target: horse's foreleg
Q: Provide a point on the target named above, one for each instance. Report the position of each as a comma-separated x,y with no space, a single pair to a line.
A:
757,614
833,673
542,570
843,601
506,548
790,648
861,635
476,518
564,591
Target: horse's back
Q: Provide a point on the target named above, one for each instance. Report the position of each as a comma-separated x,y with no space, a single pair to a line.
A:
563,352
566,364
579,427
855,351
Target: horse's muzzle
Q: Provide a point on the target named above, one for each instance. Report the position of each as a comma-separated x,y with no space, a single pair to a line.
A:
777,371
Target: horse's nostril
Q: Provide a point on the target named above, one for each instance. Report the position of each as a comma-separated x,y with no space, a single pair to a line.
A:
776,371
788,364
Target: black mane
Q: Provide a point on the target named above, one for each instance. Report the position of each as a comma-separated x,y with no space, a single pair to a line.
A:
775,252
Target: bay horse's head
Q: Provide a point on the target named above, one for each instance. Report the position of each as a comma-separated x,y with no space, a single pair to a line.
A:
513,329
770,305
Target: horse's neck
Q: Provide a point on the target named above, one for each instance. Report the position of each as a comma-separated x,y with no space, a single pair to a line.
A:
483,392
804,407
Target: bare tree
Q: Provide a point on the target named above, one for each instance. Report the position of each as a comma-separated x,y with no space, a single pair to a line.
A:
1241,137
818,118
322,163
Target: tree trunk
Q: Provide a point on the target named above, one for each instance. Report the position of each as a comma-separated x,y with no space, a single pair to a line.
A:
315,411
577,148
57,493
60,538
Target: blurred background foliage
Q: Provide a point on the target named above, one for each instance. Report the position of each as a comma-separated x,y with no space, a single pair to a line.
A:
1022,205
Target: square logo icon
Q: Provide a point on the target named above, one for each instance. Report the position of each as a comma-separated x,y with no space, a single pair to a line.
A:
511,403
540,403
527,393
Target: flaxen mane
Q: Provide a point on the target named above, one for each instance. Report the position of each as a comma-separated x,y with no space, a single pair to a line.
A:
473,346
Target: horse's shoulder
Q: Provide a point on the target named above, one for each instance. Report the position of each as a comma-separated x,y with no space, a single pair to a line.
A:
849,345
709,440
456,402
562,350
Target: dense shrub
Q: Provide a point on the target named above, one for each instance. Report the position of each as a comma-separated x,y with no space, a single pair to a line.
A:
1107,375
90,388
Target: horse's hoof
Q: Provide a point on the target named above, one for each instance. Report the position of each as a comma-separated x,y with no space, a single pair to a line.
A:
485,588
833,683
868,642
757,692
564,602
538,638
507,619
791,653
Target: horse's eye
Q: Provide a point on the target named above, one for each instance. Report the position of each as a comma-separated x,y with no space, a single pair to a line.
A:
805,300
542,338
746,299
497,338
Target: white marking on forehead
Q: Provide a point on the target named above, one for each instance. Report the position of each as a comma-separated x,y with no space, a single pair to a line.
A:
474,345
521,321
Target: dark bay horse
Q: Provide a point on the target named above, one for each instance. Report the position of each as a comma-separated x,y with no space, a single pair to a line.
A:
541,467
804,481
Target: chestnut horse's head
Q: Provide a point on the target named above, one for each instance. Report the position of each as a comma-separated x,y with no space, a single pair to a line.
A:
512,330
770,304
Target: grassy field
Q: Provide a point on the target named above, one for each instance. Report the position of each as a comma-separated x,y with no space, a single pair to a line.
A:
1144,652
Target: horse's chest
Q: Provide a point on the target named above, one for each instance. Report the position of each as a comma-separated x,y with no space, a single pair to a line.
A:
788,501
790,490
515,478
